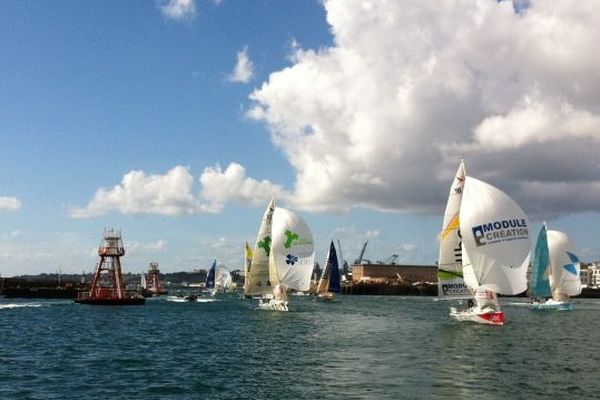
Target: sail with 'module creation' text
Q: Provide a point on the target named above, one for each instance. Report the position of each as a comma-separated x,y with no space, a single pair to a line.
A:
494,233
451,284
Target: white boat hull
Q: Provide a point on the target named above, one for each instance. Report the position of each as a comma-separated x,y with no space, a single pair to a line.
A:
328,297
273,305
486,315
552,305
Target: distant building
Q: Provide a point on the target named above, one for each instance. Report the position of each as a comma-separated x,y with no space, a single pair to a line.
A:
393,273
593,275
584,275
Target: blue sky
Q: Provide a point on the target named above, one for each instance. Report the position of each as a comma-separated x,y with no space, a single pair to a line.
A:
356,113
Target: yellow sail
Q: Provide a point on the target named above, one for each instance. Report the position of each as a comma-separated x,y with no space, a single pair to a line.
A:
247,263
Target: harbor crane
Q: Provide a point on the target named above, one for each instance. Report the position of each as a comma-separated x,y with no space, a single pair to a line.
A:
359,260
391,260
345,268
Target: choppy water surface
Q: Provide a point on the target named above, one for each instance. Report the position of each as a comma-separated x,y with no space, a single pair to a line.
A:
361,347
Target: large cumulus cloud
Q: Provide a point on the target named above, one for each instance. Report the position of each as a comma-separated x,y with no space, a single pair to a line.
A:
381,118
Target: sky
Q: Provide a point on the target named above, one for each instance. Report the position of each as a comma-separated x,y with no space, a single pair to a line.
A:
175,121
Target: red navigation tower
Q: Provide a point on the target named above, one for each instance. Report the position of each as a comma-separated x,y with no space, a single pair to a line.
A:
107,286
154,286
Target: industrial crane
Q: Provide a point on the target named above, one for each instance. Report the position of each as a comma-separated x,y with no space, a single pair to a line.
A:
359,260
391,260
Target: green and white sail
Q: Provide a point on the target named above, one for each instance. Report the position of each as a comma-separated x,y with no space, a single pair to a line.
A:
292,256
451,284
495,234
257,280
564,264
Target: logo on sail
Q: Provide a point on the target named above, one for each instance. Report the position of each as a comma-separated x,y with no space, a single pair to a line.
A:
500,231
265,244
291,259
453,289
459,184
293,238
572,268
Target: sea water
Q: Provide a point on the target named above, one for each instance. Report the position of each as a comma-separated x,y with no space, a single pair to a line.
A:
360,347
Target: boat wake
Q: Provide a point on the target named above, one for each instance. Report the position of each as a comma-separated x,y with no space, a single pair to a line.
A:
197,300
176,300
205,300
20,305
516,303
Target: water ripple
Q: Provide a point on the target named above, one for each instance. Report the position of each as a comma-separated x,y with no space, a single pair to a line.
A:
357,348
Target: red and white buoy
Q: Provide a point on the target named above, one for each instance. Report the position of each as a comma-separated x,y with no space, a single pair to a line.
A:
154,287
107,286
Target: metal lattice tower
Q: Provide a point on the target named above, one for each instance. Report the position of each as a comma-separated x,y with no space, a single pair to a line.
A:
153,271
108,281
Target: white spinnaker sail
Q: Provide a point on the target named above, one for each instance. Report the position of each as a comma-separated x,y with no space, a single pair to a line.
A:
258,276
495,233
222,278
293,252
468,273
564,278
451,284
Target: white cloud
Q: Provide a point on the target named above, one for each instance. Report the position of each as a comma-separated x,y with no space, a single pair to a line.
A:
136,248
244,68
372,234
179,10
30,253
172,194
9,203
140,193
537,123
220,187
381,118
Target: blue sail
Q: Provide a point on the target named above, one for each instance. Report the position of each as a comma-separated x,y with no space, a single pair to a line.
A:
540,286
210,278
332,264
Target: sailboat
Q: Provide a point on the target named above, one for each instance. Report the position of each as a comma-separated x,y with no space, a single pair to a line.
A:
257,281
554,272
210,279
451,285
143,283
494,234
283,258
329,284
223,280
